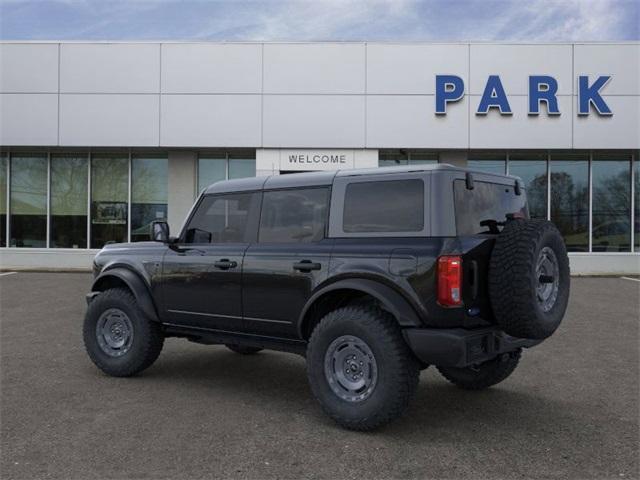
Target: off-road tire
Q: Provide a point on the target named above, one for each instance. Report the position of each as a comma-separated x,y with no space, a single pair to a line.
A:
484,375
513,279
147,340
242,349
397,369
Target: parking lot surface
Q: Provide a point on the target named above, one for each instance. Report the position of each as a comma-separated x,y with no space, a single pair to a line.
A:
569,411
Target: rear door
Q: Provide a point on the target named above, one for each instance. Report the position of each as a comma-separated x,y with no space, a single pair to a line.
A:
202,273
289,260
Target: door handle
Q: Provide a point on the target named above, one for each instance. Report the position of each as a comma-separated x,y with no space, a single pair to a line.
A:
306,266
225,264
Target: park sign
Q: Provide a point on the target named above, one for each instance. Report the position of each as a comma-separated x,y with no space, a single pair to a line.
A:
542,89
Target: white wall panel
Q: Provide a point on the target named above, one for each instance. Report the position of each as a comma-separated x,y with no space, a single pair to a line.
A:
412,69
396,121
514,64
28,119
620,61
521,130
313,121
211,120
28,68
621,130
211,68
110,68
109,120
314,68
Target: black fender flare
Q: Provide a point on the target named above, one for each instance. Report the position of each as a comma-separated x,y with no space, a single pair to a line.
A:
135,284
391,300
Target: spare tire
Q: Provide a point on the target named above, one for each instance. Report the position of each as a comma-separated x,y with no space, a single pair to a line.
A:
529,278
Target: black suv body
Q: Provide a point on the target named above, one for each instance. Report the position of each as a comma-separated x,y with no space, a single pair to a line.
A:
427,258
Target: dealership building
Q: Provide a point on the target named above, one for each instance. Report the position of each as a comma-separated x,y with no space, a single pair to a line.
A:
97,140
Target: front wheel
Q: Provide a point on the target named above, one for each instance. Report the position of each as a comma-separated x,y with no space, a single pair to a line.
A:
360,368
119,339
479,377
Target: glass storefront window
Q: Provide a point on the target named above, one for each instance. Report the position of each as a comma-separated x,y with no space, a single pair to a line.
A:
570,199
68,228
28,207
488,162
422,158
242,165
149,194
3,199
211,169
611,205
532,169
109,193
214,167
392,158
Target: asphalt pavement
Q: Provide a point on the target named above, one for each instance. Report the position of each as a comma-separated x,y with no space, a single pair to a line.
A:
569,411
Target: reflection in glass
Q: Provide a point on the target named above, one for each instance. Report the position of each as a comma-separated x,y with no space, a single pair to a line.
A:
3,200
211,170
149,194
242,165
392,158
532,169
69,201
611,206
109,186
422,158
487,162
570,199
28,201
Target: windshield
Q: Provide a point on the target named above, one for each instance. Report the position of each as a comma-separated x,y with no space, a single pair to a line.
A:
487,203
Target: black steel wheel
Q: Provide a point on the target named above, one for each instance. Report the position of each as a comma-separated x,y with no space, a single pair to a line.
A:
359,367
119,339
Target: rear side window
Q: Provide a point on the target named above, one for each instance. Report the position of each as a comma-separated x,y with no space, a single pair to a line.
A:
224,219
384,206
294,216
487,201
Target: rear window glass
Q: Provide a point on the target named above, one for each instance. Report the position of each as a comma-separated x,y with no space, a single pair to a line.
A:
294,216
384,206
487,201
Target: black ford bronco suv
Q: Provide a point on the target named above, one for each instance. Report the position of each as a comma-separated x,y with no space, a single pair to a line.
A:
370,274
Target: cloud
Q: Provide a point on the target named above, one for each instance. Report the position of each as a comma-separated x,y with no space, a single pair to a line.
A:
330,20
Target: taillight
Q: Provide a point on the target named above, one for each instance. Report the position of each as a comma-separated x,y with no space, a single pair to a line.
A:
450,280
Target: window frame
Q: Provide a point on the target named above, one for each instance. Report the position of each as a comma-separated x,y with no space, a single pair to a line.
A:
336,209
325,232
253,221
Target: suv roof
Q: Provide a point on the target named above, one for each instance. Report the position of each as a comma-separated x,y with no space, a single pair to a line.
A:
311,179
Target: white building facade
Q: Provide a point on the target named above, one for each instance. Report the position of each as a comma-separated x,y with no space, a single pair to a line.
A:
99,139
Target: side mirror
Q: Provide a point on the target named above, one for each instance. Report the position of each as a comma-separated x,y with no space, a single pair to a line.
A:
160,231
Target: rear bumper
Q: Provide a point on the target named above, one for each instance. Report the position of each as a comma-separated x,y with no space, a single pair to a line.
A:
459,347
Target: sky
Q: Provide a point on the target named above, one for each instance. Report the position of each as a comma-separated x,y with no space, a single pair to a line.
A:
321,20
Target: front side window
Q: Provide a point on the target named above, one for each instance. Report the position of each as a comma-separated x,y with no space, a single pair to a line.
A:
223,219
384,206
28,201
487,201
294,216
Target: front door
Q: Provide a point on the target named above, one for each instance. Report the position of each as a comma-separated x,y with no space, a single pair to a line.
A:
202,272
288,262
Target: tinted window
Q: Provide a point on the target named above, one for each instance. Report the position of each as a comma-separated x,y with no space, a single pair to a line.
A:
294,216
487,201
384,206
223,219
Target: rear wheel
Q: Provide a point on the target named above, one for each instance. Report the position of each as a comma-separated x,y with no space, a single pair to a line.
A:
242,349
360,368
479,377
119,339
